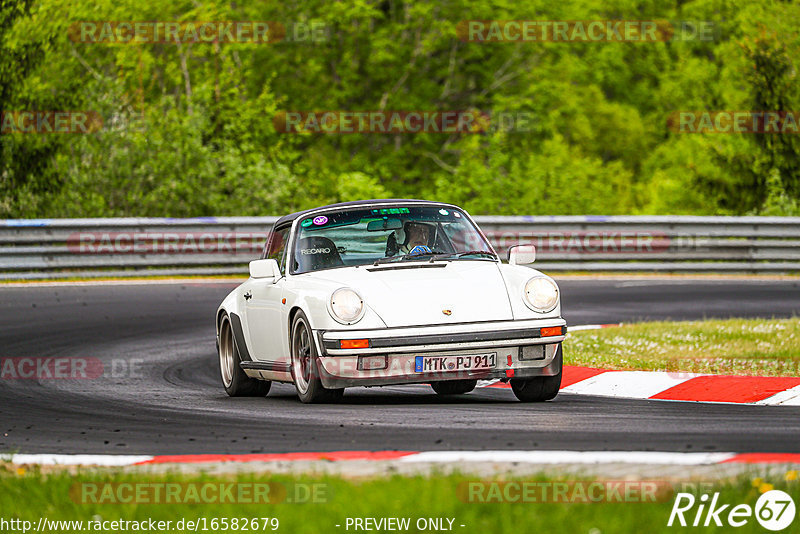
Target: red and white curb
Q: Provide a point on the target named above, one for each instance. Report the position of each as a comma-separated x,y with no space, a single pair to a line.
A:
660,385
449,457
674,386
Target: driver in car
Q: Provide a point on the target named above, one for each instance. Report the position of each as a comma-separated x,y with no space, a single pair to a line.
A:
417,235
417,239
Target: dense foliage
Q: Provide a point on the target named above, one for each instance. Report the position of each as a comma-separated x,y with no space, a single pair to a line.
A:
188,128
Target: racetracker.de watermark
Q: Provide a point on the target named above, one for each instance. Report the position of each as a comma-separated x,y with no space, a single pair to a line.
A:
220,32
566,491
735,122
69,368
600,241
401,122
208,492
50,122
592,31
166,242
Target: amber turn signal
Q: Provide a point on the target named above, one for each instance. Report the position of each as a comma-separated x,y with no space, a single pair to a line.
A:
548,331
354,343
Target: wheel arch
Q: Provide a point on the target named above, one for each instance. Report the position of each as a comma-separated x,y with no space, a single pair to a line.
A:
292,314
222,312
226,307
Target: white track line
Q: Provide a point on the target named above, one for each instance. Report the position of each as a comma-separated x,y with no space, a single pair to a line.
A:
105,460
438,457
532,457
573,457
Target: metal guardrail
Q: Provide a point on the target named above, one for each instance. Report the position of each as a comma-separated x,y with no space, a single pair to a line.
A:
49,248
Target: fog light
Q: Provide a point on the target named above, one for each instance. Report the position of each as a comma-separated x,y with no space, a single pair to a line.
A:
372,363
354,344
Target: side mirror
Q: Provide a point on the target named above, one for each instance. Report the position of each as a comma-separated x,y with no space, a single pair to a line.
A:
265,269
521,254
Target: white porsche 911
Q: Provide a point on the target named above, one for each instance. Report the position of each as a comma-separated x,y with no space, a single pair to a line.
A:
382,292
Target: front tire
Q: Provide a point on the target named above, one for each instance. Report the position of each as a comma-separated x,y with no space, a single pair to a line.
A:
539,388
234,379
454,387
305,365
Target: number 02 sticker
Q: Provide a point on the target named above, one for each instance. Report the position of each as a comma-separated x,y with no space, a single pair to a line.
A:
775,510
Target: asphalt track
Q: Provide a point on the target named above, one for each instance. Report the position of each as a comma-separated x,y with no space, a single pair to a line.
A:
161,392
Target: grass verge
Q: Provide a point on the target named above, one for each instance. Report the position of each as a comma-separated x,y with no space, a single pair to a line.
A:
60,496
762,347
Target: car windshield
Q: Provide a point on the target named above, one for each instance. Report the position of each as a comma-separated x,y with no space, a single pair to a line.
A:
374,235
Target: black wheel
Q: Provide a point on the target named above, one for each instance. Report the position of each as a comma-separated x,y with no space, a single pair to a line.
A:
454,387
539,388
305,372
234,380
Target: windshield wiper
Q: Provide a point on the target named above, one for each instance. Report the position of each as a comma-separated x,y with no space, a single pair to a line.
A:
433,254
476,252
387,259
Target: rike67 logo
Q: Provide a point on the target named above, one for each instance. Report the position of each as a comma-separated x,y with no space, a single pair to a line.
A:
774,510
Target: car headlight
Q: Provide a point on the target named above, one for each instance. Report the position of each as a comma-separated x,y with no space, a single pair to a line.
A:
541,294
346,306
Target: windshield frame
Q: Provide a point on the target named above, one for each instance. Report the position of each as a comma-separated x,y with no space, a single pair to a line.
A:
295,232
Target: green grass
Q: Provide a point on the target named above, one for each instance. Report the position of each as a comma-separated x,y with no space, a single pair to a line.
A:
765,347
56,496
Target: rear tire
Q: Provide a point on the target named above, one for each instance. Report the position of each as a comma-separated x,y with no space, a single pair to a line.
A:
454,387
234,379
539,388
305,365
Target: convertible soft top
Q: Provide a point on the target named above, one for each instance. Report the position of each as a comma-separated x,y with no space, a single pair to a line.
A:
293,216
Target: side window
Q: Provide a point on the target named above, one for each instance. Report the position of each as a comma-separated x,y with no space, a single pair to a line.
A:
277,245
462,238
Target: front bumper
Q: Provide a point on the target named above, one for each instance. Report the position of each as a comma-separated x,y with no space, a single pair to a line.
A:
520,350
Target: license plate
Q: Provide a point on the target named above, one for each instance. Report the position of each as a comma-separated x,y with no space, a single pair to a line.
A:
472,362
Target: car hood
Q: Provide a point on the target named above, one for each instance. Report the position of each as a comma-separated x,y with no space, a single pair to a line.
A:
429,293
